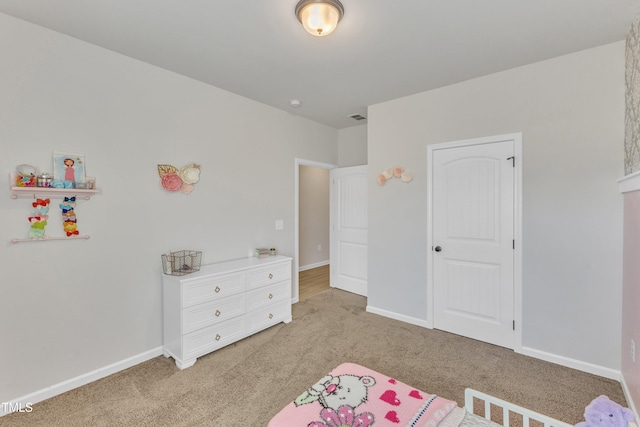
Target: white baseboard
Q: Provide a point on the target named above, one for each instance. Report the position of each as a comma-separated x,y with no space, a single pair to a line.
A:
573,363
316,265
627,395
538,354
25,402
400,317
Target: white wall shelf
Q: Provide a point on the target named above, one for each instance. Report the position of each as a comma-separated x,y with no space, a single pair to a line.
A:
44,239
54,193
50,193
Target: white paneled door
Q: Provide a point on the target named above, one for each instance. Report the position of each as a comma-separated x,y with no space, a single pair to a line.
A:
473,241
349,229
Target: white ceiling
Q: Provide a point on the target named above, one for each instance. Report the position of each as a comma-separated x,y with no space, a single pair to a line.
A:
382,49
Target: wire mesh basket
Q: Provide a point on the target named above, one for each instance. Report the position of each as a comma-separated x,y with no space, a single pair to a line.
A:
181,262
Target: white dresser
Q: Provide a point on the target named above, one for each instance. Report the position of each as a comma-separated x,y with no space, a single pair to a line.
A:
223,303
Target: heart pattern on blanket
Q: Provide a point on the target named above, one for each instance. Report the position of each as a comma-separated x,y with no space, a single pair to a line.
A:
392,416
416,394
367,397
390,397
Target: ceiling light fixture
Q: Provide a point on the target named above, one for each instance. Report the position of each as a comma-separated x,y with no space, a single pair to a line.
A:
319,17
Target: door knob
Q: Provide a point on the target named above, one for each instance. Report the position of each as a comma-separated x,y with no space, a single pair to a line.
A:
438,249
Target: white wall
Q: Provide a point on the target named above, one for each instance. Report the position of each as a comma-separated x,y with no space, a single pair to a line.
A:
352,146
70,307
314,217
571,113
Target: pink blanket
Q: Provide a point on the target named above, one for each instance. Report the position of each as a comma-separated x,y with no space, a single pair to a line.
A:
354,396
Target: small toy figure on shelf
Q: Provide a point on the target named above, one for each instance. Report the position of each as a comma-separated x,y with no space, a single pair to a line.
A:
39,219
69,216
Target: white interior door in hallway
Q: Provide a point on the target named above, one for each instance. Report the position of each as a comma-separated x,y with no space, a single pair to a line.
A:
473,240
349,229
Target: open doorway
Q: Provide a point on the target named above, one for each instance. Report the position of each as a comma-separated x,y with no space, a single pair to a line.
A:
312,226
314,231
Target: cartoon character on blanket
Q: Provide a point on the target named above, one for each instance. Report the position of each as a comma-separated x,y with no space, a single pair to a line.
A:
352,395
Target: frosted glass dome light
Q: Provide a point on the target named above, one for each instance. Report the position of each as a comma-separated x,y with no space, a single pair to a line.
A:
319,17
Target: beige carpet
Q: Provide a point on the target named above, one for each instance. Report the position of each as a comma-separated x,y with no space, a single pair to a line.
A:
246,383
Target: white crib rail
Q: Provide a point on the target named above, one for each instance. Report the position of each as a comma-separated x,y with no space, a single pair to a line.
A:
527,415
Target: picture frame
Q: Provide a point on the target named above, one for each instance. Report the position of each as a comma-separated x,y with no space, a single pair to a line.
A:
67,166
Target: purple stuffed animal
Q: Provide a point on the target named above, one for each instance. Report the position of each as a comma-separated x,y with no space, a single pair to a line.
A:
603,412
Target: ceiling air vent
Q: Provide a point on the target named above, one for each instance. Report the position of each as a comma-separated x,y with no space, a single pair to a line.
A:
357,117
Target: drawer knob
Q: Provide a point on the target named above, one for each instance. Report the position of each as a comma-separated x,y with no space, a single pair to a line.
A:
218,289
270,296
270,276
270,316
218,337
218,313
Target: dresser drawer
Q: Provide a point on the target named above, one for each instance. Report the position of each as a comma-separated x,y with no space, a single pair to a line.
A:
257,277
210,313
212,288
268,316
267,295
208,339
